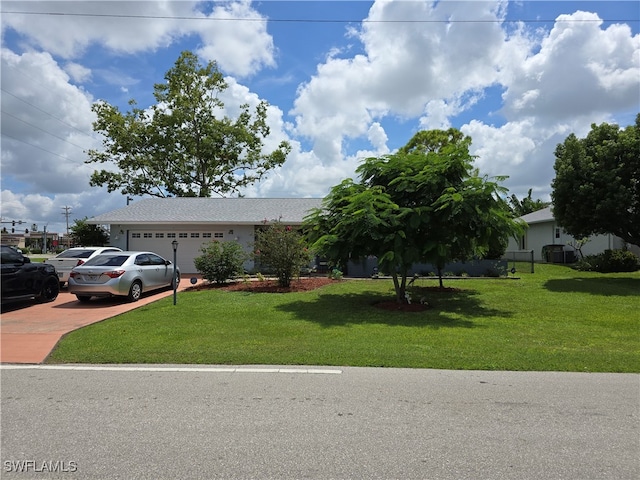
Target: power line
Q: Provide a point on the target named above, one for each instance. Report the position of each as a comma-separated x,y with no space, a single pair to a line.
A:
310,20
4,134
43,130
45,112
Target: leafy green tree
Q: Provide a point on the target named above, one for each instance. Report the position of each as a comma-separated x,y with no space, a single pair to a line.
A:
597,185
182,146
526,205
220,261
423,203
86,234
282,249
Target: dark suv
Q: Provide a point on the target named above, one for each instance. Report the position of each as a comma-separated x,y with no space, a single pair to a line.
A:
23,280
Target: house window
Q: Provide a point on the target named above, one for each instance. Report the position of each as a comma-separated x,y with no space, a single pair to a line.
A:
195,235
171,235
206,235
147,235
218,235
523,243
159,235
135,235
182,235
557,232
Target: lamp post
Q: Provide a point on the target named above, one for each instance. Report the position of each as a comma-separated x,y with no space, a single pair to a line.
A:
174,244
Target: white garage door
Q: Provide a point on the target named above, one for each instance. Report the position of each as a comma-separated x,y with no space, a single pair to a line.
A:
189,244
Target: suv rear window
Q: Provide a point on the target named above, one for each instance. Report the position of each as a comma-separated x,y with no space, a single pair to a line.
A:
106,260
76,254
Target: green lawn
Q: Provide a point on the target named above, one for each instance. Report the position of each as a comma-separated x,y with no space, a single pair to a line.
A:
555,319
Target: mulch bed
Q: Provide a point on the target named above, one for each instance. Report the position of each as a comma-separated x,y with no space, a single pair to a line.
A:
267,286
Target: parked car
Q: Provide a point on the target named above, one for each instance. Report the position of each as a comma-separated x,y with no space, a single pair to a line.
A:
73,257
128,274
23,280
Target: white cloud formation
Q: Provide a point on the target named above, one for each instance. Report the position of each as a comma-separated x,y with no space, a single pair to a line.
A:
405,76
408,68
241,48
554,82
580,69
46,124
77,72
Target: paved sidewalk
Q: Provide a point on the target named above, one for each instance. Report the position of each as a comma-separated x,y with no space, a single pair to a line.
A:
29,332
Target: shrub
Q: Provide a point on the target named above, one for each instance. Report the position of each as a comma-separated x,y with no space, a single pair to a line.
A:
282,249
220,261
609,261
336,274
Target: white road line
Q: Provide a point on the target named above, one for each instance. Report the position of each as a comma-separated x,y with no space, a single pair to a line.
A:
98,368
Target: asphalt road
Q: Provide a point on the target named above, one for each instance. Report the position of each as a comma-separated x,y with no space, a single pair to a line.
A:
317,423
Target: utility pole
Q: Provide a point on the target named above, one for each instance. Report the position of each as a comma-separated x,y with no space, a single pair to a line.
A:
66,212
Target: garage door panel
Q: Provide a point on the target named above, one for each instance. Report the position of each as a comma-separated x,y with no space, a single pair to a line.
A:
156,238
188,248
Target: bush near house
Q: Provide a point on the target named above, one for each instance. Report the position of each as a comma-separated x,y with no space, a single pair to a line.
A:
609,261
282,249
220,261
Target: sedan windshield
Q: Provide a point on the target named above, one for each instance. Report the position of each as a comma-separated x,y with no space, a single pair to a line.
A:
106,261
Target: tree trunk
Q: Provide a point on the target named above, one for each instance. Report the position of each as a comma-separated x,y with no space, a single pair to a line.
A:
440,275
397,287
400,285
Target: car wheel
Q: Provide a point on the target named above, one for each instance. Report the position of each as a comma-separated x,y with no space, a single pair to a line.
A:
50,290
176,283
83,298
135,292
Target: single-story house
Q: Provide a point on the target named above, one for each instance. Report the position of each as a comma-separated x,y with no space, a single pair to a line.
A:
154,223
544,230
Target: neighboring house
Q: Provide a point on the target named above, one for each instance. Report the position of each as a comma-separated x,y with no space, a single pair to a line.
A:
544,230
152,224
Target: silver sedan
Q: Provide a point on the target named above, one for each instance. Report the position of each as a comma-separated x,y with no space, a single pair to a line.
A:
128,274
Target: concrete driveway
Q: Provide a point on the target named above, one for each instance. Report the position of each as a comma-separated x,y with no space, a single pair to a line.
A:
29,331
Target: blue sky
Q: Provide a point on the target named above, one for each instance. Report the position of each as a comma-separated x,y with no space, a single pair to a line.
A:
345,80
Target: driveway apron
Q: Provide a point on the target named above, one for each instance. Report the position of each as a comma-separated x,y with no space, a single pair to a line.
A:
29,332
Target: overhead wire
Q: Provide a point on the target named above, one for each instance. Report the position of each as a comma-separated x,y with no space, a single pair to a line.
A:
307,20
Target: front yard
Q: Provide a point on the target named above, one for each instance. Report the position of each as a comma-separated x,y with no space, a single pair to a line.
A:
555,319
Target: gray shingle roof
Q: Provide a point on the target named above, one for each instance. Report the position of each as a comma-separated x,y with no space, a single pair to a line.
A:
251,211
539,216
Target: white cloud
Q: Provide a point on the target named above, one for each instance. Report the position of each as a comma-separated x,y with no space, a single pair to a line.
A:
575,74
409,68
77,72
580,69
46,125
241,48
405,76
70,35
378,137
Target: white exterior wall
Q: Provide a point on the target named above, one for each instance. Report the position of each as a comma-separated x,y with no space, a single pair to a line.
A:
190,238
540,234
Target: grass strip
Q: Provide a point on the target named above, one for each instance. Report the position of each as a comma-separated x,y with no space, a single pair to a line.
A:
556,319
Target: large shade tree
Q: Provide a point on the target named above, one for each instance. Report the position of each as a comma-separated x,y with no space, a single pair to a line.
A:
184,145
597,185
425,203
